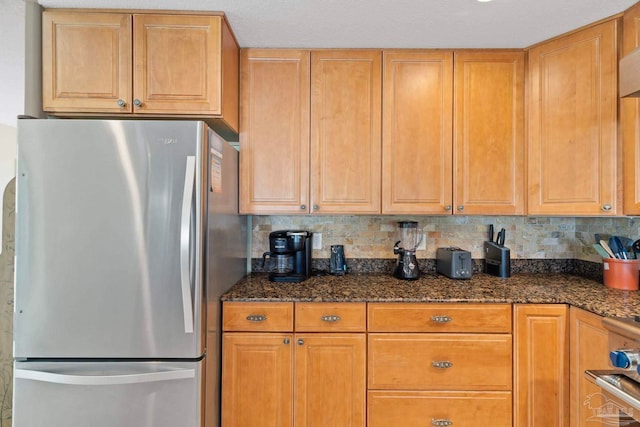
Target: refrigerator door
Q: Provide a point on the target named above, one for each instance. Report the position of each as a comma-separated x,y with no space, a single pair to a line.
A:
59,394
109,239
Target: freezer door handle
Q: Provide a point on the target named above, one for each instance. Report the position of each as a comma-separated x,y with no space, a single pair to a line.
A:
185,243
147,377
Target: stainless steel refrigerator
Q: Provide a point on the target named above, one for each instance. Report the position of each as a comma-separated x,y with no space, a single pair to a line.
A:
127,233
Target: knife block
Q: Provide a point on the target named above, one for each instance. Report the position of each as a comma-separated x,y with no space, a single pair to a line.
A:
497,260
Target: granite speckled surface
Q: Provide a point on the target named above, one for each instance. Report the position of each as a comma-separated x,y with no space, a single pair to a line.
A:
577,291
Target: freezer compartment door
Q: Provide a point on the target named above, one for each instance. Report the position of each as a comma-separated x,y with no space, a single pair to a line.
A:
110,239
137,394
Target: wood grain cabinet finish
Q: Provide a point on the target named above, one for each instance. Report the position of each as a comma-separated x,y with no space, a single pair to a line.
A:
541,357
417,132
425,408
453,132
630,120
488,137
274,137
572,138
589,350
313,377
155,64
257,379
345,131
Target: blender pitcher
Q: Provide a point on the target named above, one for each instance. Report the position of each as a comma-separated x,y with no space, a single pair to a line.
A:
410,238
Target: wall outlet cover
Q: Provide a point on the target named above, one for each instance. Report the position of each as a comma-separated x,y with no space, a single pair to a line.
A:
317,241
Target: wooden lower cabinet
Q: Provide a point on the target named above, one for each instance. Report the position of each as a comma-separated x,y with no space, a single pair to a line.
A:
428,408
541,365
589,350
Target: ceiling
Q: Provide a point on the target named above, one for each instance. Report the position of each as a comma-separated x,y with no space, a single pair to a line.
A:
386,23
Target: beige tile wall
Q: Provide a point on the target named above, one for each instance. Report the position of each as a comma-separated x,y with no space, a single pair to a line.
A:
374,236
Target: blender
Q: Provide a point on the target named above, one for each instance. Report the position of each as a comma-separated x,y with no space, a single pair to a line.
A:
410,237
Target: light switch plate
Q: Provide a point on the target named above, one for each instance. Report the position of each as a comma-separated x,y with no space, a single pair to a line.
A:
317,241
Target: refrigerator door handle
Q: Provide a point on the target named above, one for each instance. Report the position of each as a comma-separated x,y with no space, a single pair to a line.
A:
148,377
185,243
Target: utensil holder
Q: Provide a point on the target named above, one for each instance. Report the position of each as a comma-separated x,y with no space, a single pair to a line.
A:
621,273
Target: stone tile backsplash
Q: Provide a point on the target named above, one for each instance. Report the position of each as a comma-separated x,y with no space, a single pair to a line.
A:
374,236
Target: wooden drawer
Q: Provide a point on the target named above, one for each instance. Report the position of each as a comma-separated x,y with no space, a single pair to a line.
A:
330,317
410,317
420,408
257,316
440,361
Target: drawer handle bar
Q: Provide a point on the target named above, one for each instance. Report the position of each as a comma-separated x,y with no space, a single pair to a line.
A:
443,364
441,422
256,318
330,318
441,319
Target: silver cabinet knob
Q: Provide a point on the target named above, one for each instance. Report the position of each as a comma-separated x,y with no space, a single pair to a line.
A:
300,341
447,208
606,208
316,207
303,207
137,103
461,208
121,103
286,341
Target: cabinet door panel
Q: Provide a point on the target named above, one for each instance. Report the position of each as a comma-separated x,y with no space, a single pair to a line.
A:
274,139
86,62
330,373
572,127
489,133
177,63
257,383
345,131
541,357
630,120
417,126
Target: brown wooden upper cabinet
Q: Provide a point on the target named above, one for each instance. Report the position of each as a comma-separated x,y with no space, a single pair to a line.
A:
155,64
310,139
572,139
453,137
630,120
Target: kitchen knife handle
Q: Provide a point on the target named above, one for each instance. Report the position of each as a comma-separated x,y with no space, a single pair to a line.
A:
185,243
491,232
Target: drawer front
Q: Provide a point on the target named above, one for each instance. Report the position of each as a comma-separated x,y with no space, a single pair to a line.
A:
257,316
423,409
330,317
440,361
437,317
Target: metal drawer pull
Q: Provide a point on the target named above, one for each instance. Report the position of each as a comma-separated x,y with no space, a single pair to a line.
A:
330,318
441,319
443,364
256,318
442,422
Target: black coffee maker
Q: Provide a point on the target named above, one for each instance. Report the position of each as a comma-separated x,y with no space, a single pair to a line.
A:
289,255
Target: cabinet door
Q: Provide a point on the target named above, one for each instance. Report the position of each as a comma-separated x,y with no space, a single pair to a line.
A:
330,373
274,139
345,131
177,64
257,386
630,120
541,356
572,145
86,62
416,135
489,133
589,350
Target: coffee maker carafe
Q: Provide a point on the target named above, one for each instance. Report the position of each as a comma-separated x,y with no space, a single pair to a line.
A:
407,264
289,255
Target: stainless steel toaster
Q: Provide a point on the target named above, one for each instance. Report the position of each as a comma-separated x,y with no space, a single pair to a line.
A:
454,263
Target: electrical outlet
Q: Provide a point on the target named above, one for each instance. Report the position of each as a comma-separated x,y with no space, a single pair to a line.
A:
317,241
423,243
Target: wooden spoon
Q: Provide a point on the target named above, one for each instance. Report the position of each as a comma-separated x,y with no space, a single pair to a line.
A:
607,249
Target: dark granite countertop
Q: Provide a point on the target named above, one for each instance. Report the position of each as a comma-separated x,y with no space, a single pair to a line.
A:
532,288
